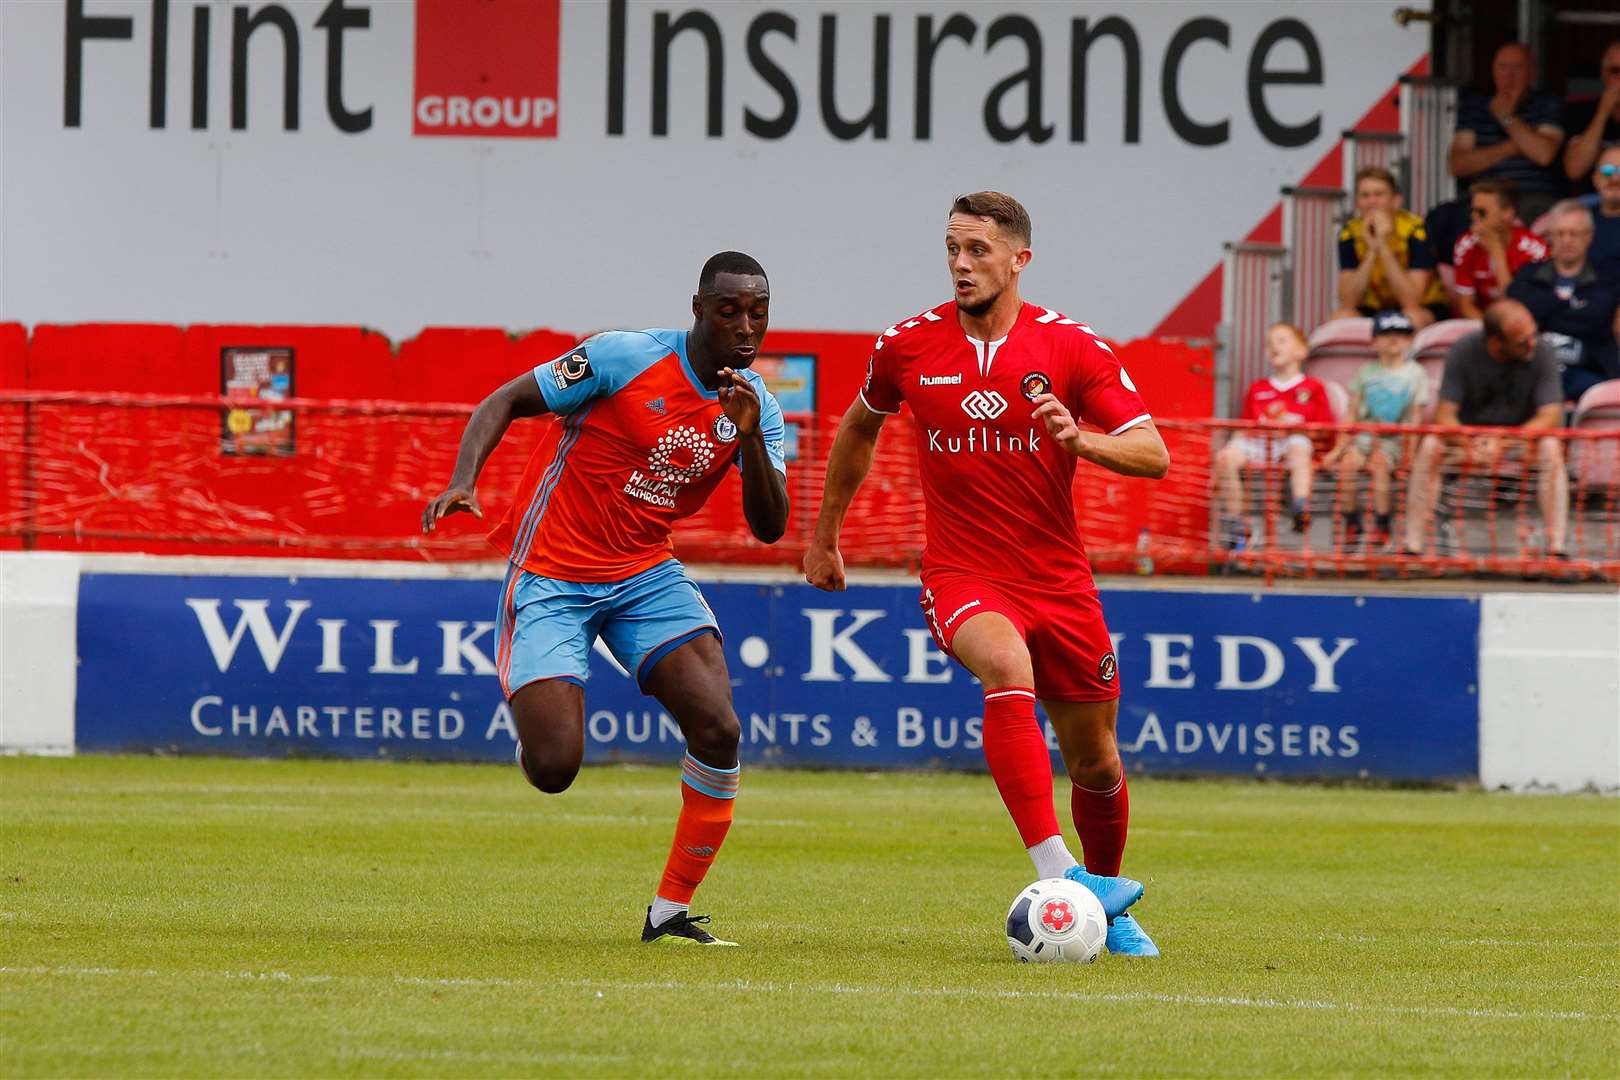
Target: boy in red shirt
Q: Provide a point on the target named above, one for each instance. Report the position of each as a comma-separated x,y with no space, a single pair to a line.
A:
1284,399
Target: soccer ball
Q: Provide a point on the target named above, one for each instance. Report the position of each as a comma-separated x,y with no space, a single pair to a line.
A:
1056,920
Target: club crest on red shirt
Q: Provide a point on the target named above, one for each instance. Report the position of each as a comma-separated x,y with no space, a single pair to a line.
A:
1035,384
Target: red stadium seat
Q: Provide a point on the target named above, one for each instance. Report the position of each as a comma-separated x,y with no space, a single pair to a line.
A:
1597,464
1339,398
1337,351
1436,339
1336,371
1342,336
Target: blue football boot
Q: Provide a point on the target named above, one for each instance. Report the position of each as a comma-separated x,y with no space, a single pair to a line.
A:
1127,938
1116,893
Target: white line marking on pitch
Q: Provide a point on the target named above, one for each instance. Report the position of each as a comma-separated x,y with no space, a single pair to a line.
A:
746,986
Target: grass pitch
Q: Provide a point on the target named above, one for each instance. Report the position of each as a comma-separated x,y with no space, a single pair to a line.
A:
190,917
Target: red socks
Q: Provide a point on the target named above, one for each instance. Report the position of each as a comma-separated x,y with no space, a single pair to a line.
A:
707,796
1101,818
1015,749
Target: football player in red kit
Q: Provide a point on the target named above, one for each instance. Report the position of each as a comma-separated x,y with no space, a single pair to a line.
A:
999,389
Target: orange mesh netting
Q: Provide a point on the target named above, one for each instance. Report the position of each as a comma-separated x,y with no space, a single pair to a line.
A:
118,472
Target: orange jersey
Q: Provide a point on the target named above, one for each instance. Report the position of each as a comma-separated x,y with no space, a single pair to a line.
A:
638,444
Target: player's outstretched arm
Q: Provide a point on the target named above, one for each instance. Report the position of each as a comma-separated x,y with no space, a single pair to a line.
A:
520,397
847,466
1138,451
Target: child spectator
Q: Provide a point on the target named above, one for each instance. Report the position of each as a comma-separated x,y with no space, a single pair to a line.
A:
1285,399
1390,391
1493,249
1384,256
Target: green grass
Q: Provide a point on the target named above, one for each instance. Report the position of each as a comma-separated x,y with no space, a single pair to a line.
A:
188,917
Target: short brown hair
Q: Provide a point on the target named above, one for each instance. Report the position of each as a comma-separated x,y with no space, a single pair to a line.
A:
1004,210
1379,173
1506,191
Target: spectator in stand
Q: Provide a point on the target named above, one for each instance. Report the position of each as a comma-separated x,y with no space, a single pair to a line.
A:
1514,135
1573,307
1286,399
1605,251
1384,256
1390,391
1594,125
1498,376
1493,249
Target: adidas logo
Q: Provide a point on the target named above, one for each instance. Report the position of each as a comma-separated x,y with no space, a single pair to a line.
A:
657,406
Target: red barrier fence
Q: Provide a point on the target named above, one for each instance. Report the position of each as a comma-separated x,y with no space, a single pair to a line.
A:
181,474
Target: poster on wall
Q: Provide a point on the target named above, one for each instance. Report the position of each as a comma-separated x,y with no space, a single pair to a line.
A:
257,374
791,379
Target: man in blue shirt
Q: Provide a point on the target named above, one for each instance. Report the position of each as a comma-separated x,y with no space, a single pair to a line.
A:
1514,135
1573,307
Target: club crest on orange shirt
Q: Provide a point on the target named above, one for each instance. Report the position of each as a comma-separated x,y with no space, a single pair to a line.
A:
724,429
572,369
1035,384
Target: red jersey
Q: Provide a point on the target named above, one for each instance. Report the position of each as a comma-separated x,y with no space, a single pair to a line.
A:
639,443
998,492
1300,400
1474,274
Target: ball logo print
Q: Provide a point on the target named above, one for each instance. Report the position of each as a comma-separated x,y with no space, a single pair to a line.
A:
681,455
984,404
1057,916
487,70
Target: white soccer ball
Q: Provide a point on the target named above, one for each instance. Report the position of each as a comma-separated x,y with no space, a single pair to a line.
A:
1057,920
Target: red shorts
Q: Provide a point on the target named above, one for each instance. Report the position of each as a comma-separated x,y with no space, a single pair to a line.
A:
1062,627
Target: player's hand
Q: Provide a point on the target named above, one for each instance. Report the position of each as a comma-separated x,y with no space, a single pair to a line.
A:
824,568
1331,458
1059,424
738,401
452,501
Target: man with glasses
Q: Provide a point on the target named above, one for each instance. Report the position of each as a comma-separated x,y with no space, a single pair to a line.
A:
1493,249
1597,122
1573,306
1605,251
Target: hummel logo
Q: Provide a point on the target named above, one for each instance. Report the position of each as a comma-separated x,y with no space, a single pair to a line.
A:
657,406
984,404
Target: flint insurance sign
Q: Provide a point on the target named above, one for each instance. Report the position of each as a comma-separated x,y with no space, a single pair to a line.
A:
513,162
1212,682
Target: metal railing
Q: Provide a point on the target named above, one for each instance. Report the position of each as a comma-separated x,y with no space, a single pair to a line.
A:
1428,120
1310,230
1369,149
1252,298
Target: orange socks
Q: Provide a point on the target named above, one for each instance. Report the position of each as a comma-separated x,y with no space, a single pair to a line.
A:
707,795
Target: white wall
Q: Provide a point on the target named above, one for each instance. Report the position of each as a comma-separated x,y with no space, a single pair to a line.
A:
38,651
1549,691
114,219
